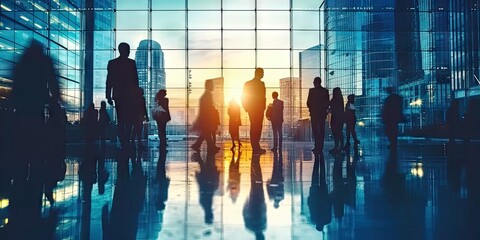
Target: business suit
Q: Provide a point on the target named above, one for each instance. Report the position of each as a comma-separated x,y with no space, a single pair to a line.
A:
254,102
122,82
317,103
277,121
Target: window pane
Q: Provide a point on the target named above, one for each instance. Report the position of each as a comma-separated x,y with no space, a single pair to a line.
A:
132,20
170,39
273,4
238,39
238,58
168,4
239,5
306,20
273,20
168,20
204,40
273,39
174,59
239,20
132,5
204,59
204,4
204,20
273,58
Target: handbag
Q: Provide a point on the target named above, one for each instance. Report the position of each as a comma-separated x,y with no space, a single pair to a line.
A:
157,112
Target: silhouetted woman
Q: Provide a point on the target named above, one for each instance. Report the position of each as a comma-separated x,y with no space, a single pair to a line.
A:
453,120
165,117
234,122
337,120
90,124
351,120
140,115
103,120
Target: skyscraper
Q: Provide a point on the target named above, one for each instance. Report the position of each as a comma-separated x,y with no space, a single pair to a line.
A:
290,95
310,67
151,69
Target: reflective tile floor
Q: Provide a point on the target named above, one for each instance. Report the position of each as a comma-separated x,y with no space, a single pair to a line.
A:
429,190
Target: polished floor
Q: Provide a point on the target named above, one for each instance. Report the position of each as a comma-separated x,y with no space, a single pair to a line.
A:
429,190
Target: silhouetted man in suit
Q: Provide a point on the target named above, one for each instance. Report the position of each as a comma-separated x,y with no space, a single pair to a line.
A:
392,115
122,80
317,103
277,121
254,101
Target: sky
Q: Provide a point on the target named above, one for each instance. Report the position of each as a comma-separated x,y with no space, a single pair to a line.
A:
205,39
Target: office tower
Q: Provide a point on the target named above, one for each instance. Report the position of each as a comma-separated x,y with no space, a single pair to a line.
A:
290,95
310,67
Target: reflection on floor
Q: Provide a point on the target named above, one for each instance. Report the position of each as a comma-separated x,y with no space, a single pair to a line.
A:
429,190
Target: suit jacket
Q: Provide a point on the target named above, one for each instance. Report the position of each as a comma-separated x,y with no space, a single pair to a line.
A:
277,112
122,79
318,102
253,98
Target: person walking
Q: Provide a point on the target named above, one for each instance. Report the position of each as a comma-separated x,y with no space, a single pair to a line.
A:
351,120
276,119
140,114
254,103
392,114
122,82
337,119
317,103
234,123
206,122
164,117
103,121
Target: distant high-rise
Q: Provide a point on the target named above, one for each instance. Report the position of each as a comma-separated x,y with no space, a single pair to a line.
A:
151,69
290,95
310,67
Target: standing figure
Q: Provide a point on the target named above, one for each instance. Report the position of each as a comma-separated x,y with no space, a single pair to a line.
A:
139,114
254,102
164,117
234,123
89,123
337,120
206,122
392,114
453,120
351,120
103,121
122,82
317,103
277,120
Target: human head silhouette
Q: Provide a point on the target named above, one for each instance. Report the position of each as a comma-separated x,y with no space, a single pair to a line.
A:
259,73
337,92
162,93
124,49
275,95
351,98
389,90
209,85
103,105
317,82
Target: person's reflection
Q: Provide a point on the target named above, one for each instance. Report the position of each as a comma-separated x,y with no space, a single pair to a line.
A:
162,180
473,196
128,198
338,193
234,176
319,202
208,183
454,165
351,182
88,177
393,180
275,185
255,208
101,171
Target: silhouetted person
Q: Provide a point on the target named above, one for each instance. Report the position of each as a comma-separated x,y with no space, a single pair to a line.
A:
122,82
275,186
317,103
161,194
472,120
453,121
393,181
140,114
351,120
319,202
276,119
103,121
338,194
55,166
164,117
206,122
89,123
234,176
234,123
392,114
254,103
255,209
34,85
208,182
102,173
337,119
216,123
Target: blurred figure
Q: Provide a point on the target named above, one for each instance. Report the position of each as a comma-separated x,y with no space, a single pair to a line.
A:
208,182
319,202
234,123
122,82
163,117
140,115
255,209
392,114
337,120
103,121
472,120
277,120
34,85
215,124
205,123
453,120
234,176
351,120
89,123
254,103
161,193
317,103
275,186
339,191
